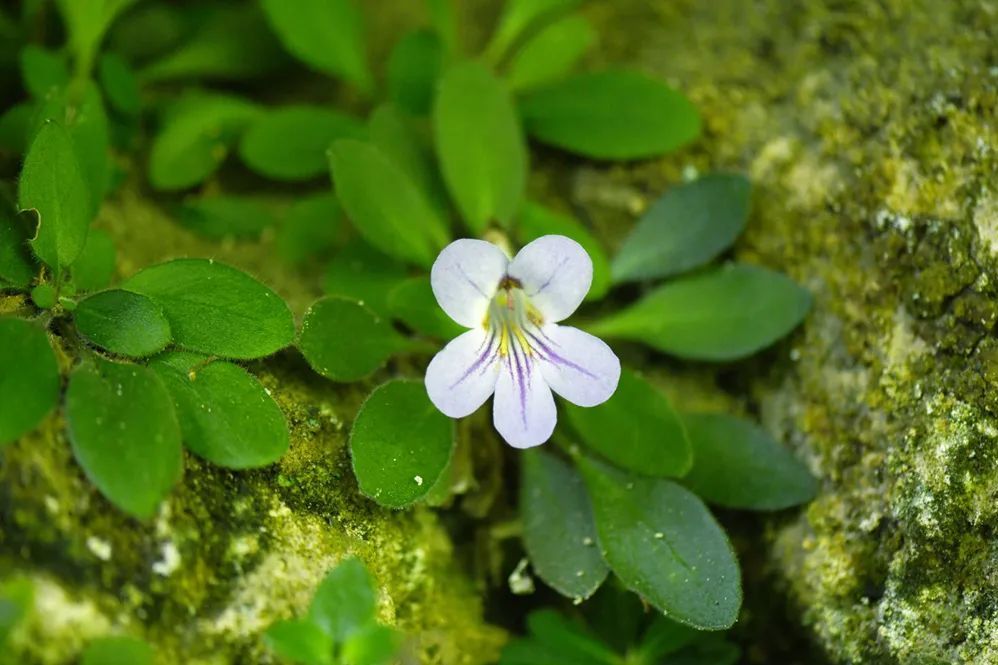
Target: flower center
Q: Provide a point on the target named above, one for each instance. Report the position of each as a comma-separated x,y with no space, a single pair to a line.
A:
511,317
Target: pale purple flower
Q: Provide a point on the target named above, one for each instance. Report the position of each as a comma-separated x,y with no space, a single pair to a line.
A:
515,347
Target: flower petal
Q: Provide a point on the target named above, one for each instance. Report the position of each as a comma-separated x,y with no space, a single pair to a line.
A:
464,278
523,409
555,273
463,374
579,367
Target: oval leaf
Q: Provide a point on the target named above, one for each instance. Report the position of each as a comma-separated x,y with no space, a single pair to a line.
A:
124,434
738,465
42,70
400,140
29,378
558,529
345,601
413,70
215,309
551,53
226,217
360,273
300,641
122,322
518,16
687,227
120,84
480,145
636,429
412,302
611,115
291,143
225,415
310,228
664,544
344,341
724,314
400,444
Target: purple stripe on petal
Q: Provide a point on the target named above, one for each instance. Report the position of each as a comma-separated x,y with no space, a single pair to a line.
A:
479,362
550,278
521,379
557,359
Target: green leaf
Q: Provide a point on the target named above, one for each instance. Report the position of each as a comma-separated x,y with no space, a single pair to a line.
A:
535,221
551,53
345,601
226,217
707,649
195,139
327,35
480,145
554,631
558,529
400,444
16,600
94,267
373,645
44,296
15,127
121,87
412,302
723,314
300,641
226,415
292,143
637,429
29,378
663,637
310,228
122,322
86,23
216,309
17,264
664,544
124,434
385,205
443,18
738,465
611,115
400,141
360,273
344,341
42,70
413,69
52,183
690,225
118,651
518,17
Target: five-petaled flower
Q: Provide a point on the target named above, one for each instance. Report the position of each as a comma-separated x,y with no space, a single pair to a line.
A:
515,347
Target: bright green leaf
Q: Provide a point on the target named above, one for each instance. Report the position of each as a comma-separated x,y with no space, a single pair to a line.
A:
86,22
310,228
122,322
664,544
636,429
17,264
327,35
344,341
518,17
124,434
611,115
412,302
291,143
226,216
480,145
690,225
120,85
558,529
360,273
44,296
400,444
300,641
29,378
226,416
345,601
216,309
723,314
551,53
738,465
413,69
372,645
535,221
42,70
118,651
94,267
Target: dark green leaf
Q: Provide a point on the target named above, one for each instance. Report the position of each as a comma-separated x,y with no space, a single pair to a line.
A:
42,70
412,302
569,639
226,216
558,529
300,641
292,143
118,651
535,221
124,434
345,601
400,444
216,309
225,415
611,115
413,69
707,649
385,205
344,341
551,53
664,544
29,378
518,17
687,227
636,429
120,85
373,645
122,322
16,600
480,145
195,139
94,267
400,141
310,228
15,127
664,636
722,314
738,465
327,35
52,183
17,265
365,275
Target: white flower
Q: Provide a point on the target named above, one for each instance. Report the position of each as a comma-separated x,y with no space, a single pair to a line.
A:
515,347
